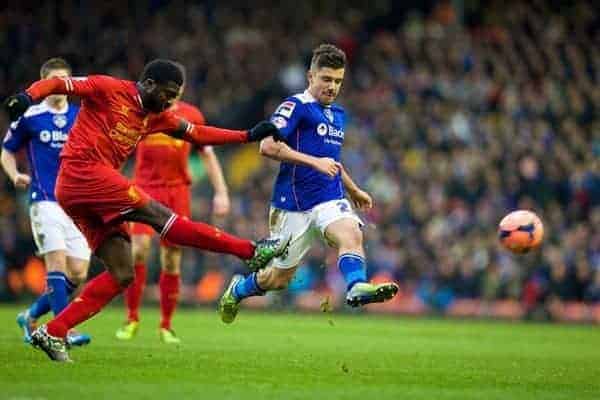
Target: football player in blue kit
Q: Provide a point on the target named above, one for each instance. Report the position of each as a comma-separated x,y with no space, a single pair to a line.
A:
309,195
42,131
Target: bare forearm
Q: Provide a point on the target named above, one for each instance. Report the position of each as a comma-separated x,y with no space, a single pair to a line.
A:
349,184
282,152
9,164
289,155
214,171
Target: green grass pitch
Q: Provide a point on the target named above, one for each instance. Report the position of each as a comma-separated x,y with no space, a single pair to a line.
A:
266,355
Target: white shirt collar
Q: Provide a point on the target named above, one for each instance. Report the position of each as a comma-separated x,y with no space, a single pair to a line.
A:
310,97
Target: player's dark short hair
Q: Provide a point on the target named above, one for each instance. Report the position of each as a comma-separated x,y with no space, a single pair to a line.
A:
163,71
328,55
54,64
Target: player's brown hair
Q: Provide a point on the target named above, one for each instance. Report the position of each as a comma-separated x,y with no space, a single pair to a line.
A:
54,64
328,55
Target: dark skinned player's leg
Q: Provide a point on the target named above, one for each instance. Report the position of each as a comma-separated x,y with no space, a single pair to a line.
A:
183,232
115,254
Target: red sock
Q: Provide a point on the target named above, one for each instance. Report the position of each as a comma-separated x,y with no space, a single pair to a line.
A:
184,232
169,296
95,295
133,294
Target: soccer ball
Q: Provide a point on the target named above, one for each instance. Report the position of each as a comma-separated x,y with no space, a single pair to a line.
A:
521,231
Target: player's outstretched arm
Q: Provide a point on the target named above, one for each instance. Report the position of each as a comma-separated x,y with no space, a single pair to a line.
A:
359,197
17,104
280,151
80,86
203,135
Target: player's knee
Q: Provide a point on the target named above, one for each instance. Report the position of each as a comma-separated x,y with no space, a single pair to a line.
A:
281,283
170,259
353,238
171,268
77,270
280,279
154,214
140,257
78,277
141,251
125,280
123,277
267,279
56,267
56,261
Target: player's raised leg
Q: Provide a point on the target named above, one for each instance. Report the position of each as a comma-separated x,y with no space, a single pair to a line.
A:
346,236
184,232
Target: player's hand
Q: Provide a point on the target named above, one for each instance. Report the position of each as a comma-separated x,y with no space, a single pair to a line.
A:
21,181
328,166
361,199
16,105
221,204
262,130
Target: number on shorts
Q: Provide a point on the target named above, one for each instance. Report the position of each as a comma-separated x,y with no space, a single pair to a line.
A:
343,206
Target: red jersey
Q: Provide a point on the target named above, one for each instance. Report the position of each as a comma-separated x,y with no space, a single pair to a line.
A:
161,160
112,120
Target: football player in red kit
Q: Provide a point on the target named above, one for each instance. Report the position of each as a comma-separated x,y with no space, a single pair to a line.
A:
115,114
161,170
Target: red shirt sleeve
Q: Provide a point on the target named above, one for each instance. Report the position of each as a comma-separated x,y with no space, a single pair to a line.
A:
79,86
199,135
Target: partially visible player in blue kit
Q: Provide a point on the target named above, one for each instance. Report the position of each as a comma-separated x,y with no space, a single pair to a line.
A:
43,130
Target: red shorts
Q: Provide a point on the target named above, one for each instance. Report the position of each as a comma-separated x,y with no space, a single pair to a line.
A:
177,198
96,197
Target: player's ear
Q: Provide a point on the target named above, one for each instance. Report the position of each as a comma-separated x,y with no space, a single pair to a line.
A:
149,85
309,76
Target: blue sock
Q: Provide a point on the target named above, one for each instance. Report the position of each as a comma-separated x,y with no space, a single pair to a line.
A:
39,307
42,305
58,291
352,267
70,287
247,287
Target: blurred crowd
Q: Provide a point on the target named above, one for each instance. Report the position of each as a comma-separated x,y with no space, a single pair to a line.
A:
456,117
